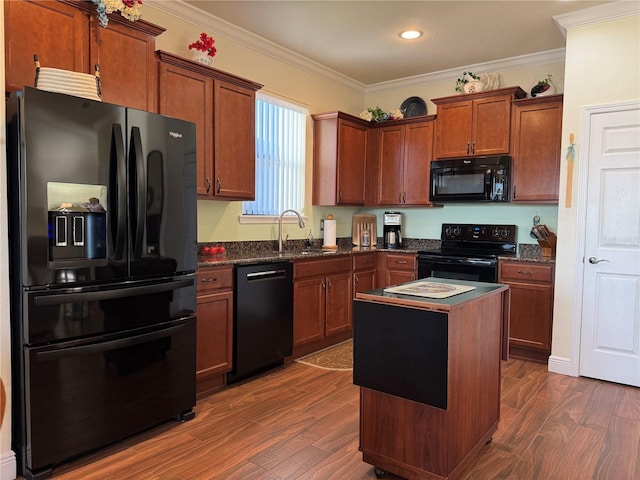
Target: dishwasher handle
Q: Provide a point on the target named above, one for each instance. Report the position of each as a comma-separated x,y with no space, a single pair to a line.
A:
266,275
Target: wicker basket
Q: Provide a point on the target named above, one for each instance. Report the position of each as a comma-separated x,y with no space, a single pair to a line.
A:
77,84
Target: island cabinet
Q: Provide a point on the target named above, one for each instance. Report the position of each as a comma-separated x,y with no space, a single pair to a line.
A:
322,303
531,286
223,108
215,327
536,134
405,150
396,268
124,50
475,124
339,159
429,376
364,272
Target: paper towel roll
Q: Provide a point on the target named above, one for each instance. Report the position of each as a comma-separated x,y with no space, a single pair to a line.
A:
329,233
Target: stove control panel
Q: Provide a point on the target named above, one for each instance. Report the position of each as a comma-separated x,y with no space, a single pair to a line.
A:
479,233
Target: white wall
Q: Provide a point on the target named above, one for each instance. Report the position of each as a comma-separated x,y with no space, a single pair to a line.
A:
602,67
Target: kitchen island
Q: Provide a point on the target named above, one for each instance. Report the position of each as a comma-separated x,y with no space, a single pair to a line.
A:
429,372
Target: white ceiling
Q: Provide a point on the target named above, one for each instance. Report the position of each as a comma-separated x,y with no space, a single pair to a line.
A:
359,39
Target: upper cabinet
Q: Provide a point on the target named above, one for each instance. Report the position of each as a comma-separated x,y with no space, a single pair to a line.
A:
339,159
404,151
475,124
223,108
536,137
67,35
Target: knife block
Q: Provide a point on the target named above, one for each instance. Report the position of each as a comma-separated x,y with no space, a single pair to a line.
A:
548,246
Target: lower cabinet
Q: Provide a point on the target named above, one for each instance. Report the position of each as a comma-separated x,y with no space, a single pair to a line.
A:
322,303
396,268
215,327
531,310
364,272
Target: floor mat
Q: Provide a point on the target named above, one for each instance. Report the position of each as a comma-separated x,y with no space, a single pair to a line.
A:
336,357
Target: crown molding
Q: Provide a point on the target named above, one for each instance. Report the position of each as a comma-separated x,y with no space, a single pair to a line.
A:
597,14
207,21
540,58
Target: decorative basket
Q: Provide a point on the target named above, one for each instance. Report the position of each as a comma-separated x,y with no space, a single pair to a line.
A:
77,84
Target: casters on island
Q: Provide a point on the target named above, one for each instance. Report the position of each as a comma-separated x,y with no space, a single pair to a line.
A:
379,472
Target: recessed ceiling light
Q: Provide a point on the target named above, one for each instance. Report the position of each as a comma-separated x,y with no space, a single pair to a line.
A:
411,34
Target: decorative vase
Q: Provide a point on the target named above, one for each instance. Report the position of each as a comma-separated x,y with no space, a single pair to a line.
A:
473,86
202,57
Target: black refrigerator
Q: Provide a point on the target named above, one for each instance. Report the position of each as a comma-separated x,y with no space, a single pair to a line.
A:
103,252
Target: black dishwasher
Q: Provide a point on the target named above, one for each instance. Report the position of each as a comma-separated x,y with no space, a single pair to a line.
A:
263,318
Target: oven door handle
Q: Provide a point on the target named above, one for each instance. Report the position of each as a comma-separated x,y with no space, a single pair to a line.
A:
457,260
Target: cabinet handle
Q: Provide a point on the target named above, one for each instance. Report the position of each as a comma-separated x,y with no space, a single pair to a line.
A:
404,197
514,192
323,285
399,197
401,262
340,196
328,283
219,184
473,148
208,184
525,272
356,278
209,280
469,147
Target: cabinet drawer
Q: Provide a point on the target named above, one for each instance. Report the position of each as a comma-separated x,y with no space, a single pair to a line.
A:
214,278
397,261
364,261
317,267
526,272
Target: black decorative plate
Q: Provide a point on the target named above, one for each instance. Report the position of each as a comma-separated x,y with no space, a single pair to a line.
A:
413,107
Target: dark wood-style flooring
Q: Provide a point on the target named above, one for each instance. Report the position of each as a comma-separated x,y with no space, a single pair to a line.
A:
301,422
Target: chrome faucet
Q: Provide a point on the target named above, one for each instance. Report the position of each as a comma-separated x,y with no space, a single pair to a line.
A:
300,223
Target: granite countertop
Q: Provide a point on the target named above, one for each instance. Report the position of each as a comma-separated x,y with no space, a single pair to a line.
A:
267,251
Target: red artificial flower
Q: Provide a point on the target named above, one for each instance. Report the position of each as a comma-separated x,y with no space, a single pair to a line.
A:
205,44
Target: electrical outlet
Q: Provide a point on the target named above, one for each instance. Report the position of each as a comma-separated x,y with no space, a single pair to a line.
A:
322,224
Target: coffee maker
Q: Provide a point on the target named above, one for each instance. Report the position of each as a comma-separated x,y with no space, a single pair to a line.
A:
392,230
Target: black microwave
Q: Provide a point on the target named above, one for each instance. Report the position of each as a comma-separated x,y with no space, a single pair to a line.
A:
477,179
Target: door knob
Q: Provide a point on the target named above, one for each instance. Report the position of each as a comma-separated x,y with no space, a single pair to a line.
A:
594,260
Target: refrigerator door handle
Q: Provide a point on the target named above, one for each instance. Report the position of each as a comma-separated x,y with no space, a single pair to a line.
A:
137,160
51,355
62,298
118,181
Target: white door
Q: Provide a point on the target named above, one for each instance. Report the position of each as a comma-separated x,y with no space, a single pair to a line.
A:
610,338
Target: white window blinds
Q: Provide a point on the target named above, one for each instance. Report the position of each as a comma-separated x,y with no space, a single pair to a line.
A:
280,158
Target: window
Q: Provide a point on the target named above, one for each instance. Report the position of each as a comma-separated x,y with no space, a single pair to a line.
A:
280,157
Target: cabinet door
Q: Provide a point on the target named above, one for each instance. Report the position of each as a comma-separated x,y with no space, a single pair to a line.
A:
338,303
364,281
352,153
531,313
126,56
536,132
189,96
390,175
234,144
57,33
418,152
491,125
453,129
215,327
397,277
308,310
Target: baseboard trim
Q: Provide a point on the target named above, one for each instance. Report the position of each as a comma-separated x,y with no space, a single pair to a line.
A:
8,465
561,365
